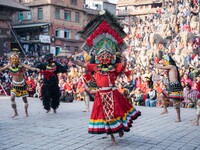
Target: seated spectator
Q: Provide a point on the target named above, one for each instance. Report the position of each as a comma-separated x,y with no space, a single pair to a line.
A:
185,79
151,98
190,96
61,86
68,86
69,94
129,84
73,73
138,98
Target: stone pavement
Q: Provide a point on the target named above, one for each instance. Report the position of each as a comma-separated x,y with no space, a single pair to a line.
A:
67,130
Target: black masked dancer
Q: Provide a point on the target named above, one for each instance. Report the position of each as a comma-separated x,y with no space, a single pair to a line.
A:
19,87
174,90
111,112
50,90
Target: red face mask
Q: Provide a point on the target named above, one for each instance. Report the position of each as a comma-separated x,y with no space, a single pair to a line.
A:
105,58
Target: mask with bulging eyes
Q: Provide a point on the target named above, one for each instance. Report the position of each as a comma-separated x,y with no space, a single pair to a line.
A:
105,58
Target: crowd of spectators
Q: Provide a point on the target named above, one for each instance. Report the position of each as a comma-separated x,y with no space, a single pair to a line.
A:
172,29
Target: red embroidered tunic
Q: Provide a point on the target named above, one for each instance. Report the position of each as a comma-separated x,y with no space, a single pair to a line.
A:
110,77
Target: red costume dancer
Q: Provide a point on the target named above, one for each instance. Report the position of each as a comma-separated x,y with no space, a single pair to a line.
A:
112,112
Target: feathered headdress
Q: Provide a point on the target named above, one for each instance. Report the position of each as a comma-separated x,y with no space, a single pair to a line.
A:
15,52
103,33
166,57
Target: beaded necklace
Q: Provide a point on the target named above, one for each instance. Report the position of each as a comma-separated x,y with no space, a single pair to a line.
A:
52,67
104,70
16,70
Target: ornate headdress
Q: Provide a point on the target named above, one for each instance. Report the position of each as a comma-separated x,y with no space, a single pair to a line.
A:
103,34
166,57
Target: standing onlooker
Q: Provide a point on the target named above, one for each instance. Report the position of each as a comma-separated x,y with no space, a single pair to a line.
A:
196,122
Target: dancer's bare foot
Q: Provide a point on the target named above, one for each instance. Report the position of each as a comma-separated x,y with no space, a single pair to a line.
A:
121,133
195,123
54,111
192,119
86,110
48,110
164,112
113,139
15,115
178,120
27,114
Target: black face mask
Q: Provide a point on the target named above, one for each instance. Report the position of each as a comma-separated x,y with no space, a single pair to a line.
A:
48,58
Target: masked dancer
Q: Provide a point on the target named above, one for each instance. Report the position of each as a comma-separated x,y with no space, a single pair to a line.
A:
50,90
174,89
111,112
19,87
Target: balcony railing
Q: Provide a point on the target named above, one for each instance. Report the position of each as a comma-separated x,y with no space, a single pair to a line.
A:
135,12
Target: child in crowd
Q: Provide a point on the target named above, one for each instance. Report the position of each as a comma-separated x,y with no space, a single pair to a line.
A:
151,98
138,97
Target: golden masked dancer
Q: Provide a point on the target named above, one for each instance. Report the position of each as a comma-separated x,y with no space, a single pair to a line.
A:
19,87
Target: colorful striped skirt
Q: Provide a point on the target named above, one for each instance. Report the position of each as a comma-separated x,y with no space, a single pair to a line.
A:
111,113
174,91
19,89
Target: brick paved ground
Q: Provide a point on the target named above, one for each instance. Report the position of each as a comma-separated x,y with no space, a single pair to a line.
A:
67,130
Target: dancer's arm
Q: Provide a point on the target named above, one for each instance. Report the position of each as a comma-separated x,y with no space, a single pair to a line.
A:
123,60
5,67
77,62
124,63
163,67
29,67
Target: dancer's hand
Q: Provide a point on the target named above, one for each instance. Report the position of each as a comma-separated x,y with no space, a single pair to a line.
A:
37,69
70,57
156,66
